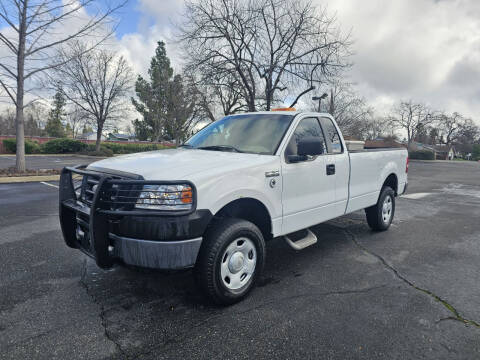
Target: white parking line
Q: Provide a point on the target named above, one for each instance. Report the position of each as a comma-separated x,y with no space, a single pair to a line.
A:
45,183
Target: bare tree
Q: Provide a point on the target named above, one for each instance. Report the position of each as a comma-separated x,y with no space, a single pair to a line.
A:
36,28
375,127
96,81
469,134
216,92
350,110
269,47
77,118
7,122
411,117
450,126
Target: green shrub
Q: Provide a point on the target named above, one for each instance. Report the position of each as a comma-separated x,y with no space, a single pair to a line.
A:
476,152
31,147
127,148
421,155
103,152
63,146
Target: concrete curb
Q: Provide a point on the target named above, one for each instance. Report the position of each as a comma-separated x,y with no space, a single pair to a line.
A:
24,179
446,161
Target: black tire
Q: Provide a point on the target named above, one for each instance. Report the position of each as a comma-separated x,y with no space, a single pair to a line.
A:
215,243
375,215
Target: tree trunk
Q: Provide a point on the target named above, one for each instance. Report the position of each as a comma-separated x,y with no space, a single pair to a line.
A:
19,120
99,137
20,132
268,94
251,106
331,110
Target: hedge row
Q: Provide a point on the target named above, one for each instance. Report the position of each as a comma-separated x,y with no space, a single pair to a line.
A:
421,155
476,152
70,146
127,148
31,147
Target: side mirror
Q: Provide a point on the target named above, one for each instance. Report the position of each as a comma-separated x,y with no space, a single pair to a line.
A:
310,145
297,158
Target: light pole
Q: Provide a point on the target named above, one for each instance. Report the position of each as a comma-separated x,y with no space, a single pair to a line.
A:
320,98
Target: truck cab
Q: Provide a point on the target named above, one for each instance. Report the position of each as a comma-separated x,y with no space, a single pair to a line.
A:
212,203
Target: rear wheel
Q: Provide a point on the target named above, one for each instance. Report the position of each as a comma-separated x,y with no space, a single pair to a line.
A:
380,216
230,260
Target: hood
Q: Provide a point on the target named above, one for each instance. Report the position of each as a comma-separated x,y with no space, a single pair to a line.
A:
178,164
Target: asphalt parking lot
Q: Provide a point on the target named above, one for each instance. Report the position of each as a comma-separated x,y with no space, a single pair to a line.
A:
37,162
412,292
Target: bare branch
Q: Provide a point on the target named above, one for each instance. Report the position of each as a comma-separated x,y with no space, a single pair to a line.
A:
8,91
301,94
269,46
95,81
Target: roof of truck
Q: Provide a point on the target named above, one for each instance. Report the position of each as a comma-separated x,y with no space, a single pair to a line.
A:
285,113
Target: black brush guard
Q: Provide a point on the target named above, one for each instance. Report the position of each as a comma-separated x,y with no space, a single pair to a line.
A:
85,217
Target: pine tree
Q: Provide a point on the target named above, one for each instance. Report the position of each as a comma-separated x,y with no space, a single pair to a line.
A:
152,95
86,129
69,131
54,125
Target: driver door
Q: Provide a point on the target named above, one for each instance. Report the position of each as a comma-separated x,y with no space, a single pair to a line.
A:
308,195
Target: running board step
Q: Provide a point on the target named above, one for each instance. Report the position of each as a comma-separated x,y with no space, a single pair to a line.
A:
307,240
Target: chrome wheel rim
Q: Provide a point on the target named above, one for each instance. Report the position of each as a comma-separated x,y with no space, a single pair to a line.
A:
238,263
387,208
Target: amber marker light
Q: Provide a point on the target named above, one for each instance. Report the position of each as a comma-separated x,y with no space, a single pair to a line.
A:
187,195
284,109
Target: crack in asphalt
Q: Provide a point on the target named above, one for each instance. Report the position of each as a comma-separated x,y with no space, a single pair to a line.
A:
179,339
456,314
102,312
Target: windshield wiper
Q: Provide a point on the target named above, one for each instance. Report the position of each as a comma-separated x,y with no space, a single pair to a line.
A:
186,145
220,148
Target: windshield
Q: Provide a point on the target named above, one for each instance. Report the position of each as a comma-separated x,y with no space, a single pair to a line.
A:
252,133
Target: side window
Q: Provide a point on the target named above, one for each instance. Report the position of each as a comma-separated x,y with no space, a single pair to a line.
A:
306,127
332,136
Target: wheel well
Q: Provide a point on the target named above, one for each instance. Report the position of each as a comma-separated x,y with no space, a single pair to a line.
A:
391,181
251,210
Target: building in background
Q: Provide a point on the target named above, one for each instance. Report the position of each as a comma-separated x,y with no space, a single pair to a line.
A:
90,136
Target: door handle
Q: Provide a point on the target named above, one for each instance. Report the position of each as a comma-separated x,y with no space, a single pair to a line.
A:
331,169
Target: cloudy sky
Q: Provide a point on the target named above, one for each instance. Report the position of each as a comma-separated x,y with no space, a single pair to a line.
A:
426,50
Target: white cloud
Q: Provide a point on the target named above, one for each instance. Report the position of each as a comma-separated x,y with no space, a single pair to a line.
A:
426,50
416,49
157,23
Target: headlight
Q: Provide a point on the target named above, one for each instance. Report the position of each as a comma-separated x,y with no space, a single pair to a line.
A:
165,197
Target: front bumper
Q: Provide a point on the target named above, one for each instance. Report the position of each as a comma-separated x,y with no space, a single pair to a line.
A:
112,234
156,254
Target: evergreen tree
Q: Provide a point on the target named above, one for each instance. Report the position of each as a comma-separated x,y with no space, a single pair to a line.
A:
181,105
87,129
69,131
152,96
54,125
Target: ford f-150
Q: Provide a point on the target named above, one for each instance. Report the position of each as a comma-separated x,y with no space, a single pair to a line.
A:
212,203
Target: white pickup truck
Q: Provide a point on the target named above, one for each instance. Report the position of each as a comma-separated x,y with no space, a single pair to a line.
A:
212,203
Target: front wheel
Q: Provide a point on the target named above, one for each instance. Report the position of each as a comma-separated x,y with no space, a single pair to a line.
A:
230,260
380,216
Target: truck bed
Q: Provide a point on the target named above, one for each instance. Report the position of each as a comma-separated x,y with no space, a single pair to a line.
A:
376,150
368,170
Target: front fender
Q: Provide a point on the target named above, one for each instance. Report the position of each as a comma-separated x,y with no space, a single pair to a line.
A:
219,191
